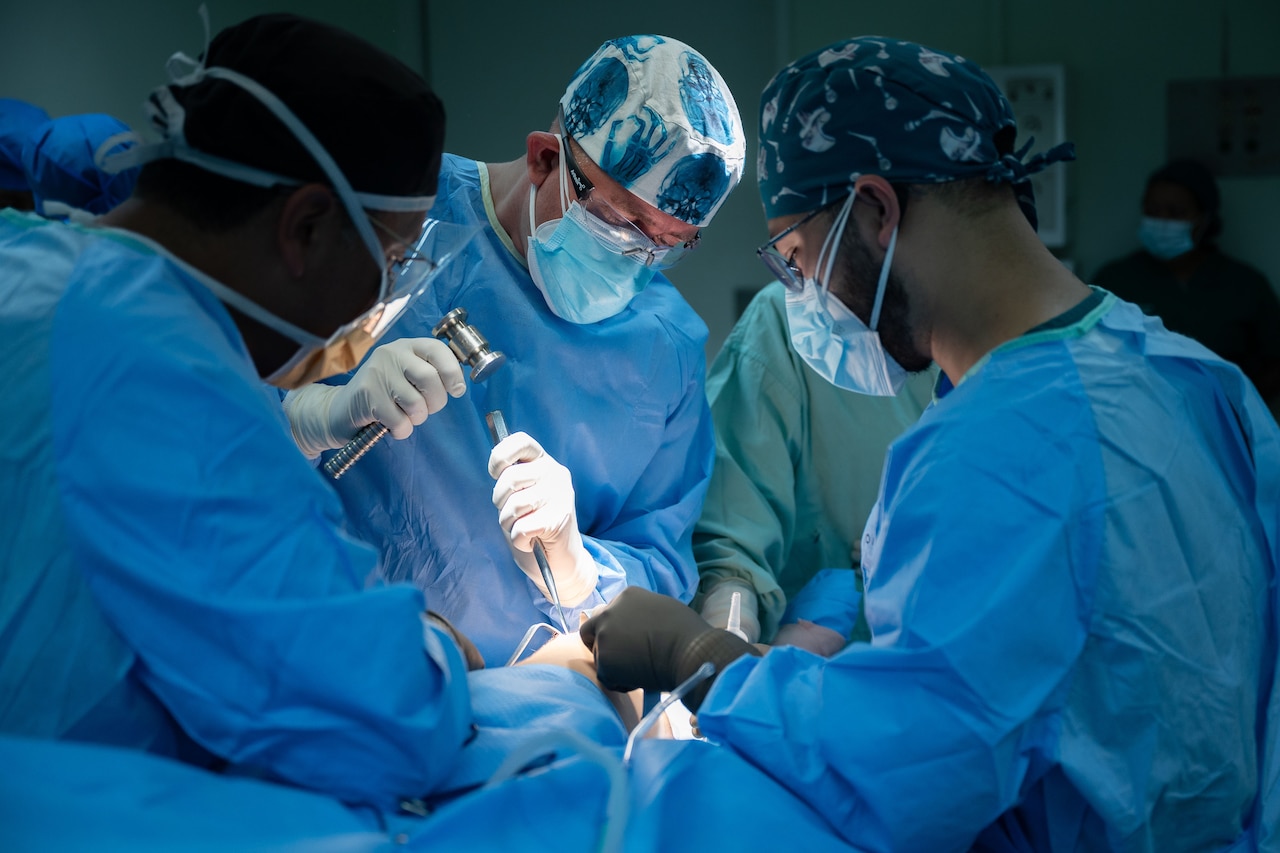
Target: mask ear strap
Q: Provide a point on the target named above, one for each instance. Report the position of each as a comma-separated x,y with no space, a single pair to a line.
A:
127,137
564,176
193,67
884,279
831,245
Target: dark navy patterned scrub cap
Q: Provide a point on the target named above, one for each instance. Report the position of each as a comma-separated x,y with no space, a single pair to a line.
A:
880,106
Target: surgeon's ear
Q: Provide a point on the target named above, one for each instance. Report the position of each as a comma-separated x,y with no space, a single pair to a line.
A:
307,226
879,197
542,156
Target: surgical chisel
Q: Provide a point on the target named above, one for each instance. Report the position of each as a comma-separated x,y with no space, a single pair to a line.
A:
498,431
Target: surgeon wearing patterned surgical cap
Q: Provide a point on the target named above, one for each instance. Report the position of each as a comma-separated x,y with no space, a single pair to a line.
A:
1071,567
604,383
62,162
17,121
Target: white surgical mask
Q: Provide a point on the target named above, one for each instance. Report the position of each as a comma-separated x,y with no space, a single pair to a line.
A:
1166,238
830,338
581,276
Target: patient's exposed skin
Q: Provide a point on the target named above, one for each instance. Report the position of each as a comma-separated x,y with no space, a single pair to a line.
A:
568,651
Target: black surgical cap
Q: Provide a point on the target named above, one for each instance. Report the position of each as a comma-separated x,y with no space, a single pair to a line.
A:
375,116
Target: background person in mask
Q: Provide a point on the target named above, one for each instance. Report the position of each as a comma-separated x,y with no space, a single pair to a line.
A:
1071,565
603,387
176,577
1181,276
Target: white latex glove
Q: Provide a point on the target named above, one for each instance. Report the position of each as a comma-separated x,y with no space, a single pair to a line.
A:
399,385
810,636
535,500
715,607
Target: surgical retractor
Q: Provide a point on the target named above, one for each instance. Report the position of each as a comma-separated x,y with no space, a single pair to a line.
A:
498,431
467,344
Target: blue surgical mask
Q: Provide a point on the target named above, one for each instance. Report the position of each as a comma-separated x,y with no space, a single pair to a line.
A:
582,278
1166,238
831,339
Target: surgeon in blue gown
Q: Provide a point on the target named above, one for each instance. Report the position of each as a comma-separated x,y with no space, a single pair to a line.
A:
1072,561
174,578
604,382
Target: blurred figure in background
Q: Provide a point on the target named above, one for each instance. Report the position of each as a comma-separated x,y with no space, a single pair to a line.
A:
1181,276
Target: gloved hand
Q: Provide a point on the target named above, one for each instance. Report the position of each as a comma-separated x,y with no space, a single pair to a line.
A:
653,642
812,637
535,500
398,385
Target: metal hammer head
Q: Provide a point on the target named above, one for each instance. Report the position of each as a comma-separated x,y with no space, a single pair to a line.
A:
468,344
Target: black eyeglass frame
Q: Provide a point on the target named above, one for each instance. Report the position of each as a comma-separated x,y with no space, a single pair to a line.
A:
781,266
783,269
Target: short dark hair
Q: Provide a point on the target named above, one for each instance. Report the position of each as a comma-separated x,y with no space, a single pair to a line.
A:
974,196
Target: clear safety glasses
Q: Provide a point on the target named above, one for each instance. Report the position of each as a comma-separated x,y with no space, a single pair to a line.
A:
614,229
408,274
781,266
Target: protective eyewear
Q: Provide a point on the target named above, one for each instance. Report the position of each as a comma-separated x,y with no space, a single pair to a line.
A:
782,267
408,273
614,229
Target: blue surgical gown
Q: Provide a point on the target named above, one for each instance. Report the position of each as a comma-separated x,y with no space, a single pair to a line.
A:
1071,593
674,796
621,403
173,577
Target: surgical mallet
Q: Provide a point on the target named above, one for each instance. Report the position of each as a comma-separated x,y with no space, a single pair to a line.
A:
467,345
498,431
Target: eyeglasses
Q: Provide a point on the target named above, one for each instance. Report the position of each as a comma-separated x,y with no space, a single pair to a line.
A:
782,267
409,271
399,262
614,228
